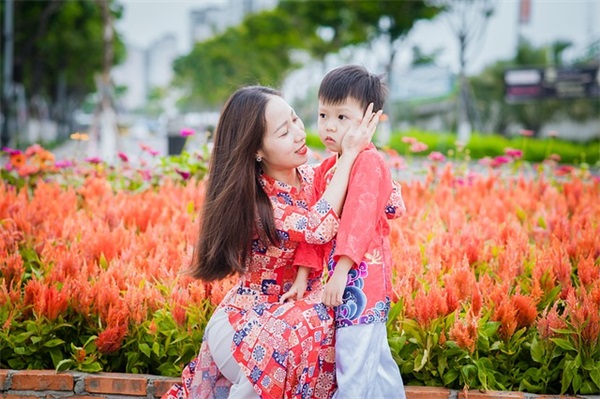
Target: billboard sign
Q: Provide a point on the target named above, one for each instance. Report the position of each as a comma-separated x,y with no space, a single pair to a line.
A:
525,84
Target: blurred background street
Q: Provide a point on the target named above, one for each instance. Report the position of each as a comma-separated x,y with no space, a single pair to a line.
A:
125,73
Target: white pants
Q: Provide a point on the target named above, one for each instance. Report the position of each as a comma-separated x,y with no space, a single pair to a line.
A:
219,336
364,364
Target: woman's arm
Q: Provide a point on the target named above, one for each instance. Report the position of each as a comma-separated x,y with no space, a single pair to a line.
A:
395,206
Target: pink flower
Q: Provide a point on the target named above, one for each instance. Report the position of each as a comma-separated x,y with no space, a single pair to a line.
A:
552,133
436,156
186,175
146,175
513,153
34,149
554,157
148,149
186,132
564,170
418,147
11,151
94,160
486,161
64,164
499,161
526,132
123,156
409,140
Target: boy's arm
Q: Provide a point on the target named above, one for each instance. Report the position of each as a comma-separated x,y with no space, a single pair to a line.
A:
334,289
370,187
395,206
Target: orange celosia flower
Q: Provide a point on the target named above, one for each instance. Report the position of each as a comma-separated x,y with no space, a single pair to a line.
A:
464,333
526,311
109,340
17,160
549,322
80,355
506,314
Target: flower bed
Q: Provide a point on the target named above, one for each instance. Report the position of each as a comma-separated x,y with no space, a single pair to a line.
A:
496,279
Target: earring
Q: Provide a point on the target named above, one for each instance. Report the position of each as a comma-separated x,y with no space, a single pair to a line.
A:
258,158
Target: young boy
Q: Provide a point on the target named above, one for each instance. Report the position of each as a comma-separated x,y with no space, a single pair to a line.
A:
359,259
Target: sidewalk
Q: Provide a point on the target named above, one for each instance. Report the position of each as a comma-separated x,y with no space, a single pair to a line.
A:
33,384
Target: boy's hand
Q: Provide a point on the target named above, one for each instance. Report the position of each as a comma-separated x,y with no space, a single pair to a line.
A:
334,289
360,133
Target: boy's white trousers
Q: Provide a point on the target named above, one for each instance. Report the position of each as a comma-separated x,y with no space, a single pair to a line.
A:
364,364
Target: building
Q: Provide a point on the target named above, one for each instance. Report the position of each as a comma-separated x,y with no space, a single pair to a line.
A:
145,69
214,19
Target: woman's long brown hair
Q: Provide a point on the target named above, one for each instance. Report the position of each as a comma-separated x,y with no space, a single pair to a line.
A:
234,197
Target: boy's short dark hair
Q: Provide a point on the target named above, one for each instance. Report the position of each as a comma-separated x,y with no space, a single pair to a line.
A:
353,81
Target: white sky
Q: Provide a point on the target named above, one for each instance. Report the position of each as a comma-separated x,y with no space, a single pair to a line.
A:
578,21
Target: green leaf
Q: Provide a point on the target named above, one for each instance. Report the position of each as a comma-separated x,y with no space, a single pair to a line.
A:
54,342
102,262
567,376
564,344
595,376
91,368
190,208
65,364
537,351
145,349
450,376
577,381
36,339
21,351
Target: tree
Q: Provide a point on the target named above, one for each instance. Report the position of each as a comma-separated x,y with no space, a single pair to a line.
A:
58,49
263,48
256,52
468,20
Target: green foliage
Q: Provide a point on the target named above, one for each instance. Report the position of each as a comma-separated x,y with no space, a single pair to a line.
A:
263,49
480,146
256,52
60,42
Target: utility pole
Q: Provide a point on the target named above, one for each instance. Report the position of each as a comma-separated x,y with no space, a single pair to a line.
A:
106,117
7,71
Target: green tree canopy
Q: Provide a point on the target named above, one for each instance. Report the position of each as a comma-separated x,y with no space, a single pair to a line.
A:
256,52
264,48
58,47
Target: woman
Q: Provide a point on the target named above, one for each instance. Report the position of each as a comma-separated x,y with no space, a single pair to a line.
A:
254,216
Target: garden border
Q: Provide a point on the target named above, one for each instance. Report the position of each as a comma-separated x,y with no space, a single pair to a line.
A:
33,384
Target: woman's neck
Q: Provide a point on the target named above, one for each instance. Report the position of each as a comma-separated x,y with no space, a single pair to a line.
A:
287,176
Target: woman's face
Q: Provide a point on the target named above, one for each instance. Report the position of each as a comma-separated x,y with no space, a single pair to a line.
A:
284,143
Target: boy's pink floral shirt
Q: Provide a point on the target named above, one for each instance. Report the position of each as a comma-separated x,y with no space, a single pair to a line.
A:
363,236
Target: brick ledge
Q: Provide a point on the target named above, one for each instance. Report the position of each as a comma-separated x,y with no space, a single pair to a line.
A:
33,384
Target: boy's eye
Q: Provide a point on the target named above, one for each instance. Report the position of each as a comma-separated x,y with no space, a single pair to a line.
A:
321,116
342,117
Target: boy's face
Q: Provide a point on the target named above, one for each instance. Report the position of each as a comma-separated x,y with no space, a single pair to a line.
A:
335,120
